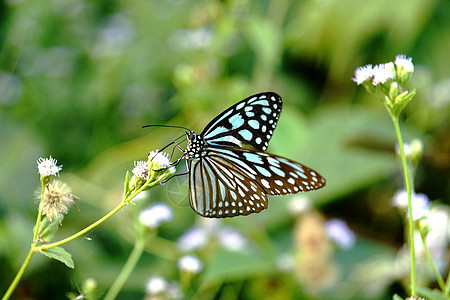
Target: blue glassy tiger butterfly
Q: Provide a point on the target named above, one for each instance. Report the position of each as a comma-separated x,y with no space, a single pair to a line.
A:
227,180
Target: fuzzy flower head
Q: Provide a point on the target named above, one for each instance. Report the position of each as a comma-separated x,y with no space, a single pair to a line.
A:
420,204
47,167
141,169
156,214
159,162
159,159
191,264
363,74
382,73
57,200
404,67
140,175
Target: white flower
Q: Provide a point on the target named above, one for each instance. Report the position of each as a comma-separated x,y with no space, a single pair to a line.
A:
156,214
363,73
159,158
299,205
404,63
47,166
193,239
141,169
232,239
156,285
191,264
285,262
419,202
383,72
160,288
339,232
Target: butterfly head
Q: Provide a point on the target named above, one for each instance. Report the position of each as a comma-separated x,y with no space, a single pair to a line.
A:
195,145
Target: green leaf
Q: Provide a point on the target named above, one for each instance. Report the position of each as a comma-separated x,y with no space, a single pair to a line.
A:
396,297
227,265
60,254
47,228
126,186
431,294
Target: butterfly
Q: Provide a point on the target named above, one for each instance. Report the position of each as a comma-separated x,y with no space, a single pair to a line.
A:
227,180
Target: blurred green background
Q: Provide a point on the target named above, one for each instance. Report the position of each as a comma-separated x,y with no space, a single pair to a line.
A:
78,79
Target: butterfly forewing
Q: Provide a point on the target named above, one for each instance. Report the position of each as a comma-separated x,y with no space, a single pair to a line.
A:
233,181
250,121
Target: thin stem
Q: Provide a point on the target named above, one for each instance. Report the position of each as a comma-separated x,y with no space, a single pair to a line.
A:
85,230
19,275
127,269
39,216
410,216
438,276
124,202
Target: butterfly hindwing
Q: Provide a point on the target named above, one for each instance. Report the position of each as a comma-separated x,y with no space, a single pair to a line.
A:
233,181
250,121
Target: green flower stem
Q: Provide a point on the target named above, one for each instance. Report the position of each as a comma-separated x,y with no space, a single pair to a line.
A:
125,201
439,278
408,191
27,260
126,270
447,285
19,275
39,216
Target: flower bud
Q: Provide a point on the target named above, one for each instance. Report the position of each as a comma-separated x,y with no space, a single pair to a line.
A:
404,68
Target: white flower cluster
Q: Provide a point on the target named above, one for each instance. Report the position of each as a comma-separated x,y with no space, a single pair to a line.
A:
198,236
159,158
419,202
156,214
160,288
384,72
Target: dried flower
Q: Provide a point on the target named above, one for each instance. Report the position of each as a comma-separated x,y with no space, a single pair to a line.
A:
57,200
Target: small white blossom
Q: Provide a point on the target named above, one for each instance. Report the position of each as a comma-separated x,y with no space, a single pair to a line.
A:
193,239
232,239
156,214
47,166
363,73
339,232
141,169
156,285
160,158
382,73
299,205
286,262
404,63
191,264
420,204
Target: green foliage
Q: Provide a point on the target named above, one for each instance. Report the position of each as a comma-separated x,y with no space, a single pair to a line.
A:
78,79
60,254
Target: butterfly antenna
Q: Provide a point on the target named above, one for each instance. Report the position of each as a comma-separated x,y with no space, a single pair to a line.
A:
167,126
